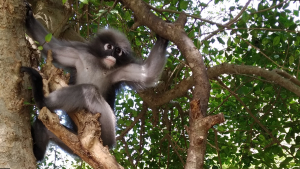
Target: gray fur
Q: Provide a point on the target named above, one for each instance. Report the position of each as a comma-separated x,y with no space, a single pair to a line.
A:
93,78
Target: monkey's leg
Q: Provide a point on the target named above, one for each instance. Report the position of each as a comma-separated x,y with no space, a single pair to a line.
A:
77,97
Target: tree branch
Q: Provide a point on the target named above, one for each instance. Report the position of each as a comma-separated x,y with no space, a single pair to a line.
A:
277,76
272,76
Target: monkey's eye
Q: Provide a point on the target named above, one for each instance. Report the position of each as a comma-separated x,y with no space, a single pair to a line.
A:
108,46
118,51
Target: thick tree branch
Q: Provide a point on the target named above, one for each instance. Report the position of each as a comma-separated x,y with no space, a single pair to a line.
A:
176,33
87,145
287,76
198,139
277,76
271,76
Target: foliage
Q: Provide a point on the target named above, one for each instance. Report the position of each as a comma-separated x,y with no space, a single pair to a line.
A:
262,118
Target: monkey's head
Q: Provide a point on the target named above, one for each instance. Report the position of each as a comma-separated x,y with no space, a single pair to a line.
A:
112,47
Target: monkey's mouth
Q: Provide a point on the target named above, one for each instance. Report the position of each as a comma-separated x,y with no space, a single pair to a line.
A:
110,61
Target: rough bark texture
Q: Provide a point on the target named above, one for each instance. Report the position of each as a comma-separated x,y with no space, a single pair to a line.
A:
15,137
86,144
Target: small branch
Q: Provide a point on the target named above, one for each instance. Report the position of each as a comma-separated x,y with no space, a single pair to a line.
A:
188,15
127,152
106,11
259,51
264,29
217,146
272,7
136,119
236,19
228,24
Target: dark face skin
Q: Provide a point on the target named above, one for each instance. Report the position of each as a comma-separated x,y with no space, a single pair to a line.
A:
105,47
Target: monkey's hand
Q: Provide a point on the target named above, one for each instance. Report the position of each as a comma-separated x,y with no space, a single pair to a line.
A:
29,15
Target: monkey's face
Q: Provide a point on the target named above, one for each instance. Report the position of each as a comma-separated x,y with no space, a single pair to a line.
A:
112,54
109,53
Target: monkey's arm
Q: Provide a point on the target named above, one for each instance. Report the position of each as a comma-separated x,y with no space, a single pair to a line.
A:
37,31
64,53
148,73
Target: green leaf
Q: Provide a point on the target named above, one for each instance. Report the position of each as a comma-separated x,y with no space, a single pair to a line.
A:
265,41
237,40
255,16
217,1
286,162
220,40
26,103
258,92
276,40
48,37
229,42
268,89
221,128
64,1
286,5
297,40
183,4
205,50
40,48
259,19
291,60
130,102
245,17
232,8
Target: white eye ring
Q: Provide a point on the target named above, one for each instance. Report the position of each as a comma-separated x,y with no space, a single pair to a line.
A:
120,52
108,46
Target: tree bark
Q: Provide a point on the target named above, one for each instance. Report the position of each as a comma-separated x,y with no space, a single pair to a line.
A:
15,137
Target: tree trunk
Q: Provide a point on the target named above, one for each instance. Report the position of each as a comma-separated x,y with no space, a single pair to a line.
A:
15,137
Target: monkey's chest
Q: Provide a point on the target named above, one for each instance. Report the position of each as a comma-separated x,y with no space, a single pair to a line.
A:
97,77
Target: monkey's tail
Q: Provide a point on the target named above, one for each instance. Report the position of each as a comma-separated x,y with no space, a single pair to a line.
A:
37,86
